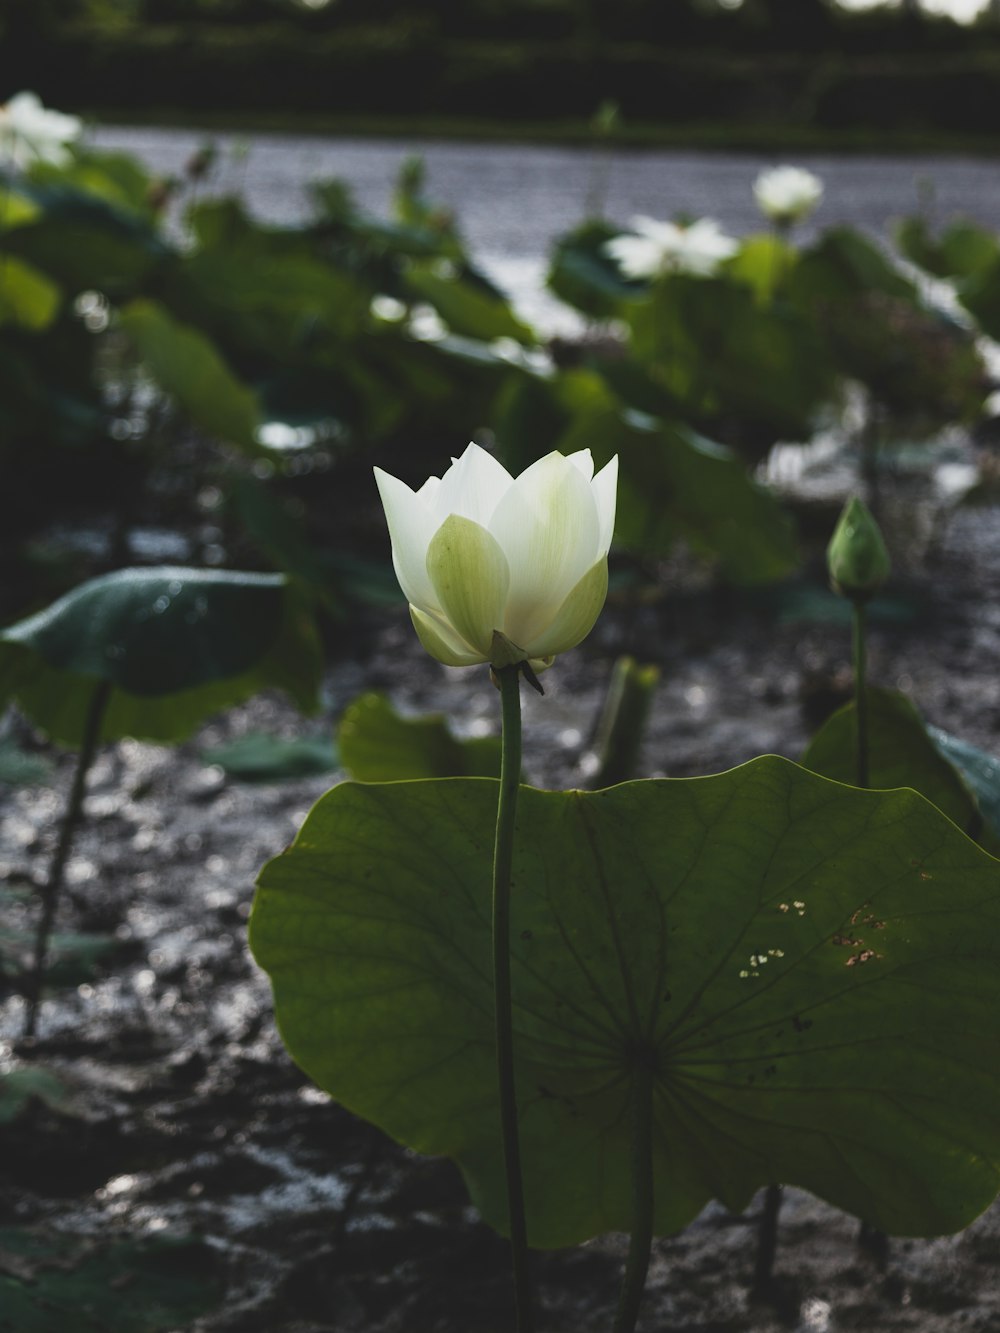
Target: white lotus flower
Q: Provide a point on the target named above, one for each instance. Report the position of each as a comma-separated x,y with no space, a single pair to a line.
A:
501,570
666,247
28,132
787,194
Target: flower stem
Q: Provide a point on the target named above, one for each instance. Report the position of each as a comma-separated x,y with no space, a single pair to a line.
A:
641,1236
860,692
50,892
509,681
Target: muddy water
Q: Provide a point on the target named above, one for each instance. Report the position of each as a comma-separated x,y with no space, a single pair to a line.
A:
513,200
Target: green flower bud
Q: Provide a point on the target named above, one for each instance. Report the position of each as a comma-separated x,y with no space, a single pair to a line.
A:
856,557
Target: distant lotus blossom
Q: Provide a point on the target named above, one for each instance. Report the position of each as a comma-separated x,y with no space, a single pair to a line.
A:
659,248
30,133
787,194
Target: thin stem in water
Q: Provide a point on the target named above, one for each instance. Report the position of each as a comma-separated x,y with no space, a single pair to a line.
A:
641,1235
860,692
509,681
53,885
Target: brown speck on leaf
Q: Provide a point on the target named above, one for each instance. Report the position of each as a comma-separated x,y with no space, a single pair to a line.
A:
863,957
846,939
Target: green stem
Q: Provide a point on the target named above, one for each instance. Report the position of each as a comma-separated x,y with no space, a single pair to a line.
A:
53,885
860,692
641,1237
509,680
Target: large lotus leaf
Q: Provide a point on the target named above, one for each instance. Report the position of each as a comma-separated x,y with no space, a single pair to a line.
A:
902,753
675,483
175,644
269,303
467,308
962,248
980,294
844,263
812,971
84,242
378,745
27,297
715,345
187,365
585,276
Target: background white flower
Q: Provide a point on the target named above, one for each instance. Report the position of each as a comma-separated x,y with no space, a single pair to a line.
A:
658,248
29,132
502,570
787,194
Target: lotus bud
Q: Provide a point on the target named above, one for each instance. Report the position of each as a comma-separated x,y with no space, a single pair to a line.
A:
856,557
498,569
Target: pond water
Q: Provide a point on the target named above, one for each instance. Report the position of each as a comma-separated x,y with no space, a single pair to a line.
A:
512,200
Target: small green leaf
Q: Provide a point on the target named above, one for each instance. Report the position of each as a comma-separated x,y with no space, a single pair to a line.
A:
186,364
259,757
58,1281
377,745
20,1086
18,769
812,971
176,644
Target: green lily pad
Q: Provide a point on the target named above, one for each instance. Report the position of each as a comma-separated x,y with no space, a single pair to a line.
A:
378,745
187,365
902,753
259,757
811,971
50,1283
175,644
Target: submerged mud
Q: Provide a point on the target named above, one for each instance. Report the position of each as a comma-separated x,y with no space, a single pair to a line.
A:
181,1115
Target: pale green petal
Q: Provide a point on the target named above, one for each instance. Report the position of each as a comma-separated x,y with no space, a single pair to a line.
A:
441,641
576,616
472,487
604,488
470,577
547,526
411,527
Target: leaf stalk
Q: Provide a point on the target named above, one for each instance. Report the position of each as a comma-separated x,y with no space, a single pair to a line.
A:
53,885
509,681
860,634
641,1235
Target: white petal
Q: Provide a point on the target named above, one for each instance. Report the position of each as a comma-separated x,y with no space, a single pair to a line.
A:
472,487
576,616
584,460
470,576
604,488
411,527
548,527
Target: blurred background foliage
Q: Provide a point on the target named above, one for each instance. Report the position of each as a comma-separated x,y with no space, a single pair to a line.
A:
184,384
774,67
